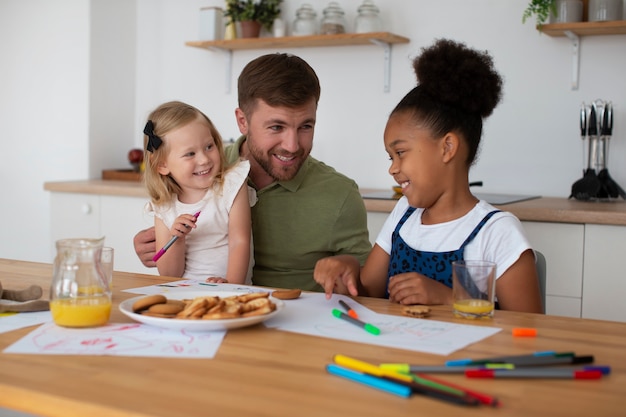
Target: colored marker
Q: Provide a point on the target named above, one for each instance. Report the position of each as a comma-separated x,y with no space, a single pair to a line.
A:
534,373
368,368
605,369
371,381
524,332
483,398
505,359
349,309
368,327
168,244
418,388
549,361
406,368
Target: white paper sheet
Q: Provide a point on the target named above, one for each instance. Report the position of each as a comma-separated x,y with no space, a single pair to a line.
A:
124,339
10,322
192,285
312,314
132,339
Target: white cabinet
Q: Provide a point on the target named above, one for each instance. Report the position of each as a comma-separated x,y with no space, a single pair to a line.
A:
563,246
604,289
585,271
375,221
116,218
120,219
74,215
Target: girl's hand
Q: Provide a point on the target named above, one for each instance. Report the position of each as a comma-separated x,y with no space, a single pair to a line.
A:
216,280
183,225
339,274
413,288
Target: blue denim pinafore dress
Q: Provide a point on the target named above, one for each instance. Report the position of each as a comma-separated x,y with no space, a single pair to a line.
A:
435,265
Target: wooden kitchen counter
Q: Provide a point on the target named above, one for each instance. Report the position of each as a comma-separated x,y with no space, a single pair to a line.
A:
260,371
545,209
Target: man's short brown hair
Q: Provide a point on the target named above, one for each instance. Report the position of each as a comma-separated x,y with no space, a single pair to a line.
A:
280,80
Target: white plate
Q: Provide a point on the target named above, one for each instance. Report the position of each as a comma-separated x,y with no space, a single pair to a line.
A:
126,307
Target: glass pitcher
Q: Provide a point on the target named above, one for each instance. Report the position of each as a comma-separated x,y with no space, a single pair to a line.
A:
79,295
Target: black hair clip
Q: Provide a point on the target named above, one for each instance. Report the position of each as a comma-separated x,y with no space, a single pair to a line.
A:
153,140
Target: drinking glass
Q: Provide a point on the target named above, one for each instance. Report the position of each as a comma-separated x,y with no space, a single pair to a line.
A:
473,289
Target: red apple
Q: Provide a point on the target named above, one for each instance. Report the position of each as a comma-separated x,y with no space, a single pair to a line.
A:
135,156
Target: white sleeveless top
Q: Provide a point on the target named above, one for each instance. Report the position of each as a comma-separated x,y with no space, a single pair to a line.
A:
206,253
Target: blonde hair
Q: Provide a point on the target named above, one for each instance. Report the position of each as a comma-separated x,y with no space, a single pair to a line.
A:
165,118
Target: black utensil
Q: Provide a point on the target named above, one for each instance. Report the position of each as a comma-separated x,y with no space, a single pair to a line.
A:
589,185
610,187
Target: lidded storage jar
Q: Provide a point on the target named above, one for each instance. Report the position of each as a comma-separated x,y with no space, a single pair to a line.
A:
333,21
368,19
306,21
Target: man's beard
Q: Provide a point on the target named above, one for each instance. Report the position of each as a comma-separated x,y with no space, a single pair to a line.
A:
279,173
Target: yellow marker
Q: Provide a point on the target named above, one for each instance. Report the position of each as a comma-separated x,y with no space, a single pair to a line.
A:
405,368
368,368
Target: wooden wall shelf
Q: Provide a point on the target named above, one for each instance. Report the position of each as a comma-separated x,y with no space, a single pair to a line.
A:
344,39
615,27
382,39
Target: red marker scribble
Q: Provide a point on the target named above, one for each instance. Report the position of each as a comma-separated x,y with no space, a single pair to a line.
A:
108,341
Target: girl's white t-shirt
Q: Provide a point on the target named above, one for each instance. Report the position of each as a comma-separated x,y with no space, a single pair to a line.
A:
502,240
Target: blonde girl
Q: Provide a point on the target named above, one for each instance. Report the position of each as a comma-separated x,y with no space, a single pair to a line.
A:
186,173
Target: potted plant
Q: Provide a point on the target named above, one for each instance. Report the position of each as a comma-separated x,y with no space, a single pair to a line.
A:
541,9
263,12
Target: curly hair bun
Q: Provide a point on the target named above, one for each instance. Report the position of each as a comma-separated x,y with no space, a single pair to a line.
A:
458,76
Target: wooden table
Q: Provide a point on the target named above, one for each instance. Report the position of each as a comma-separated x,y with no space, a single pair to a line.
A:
267,372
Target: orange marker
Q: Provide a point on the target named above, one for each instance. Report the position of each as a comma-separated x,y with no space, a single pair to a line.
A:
524,332
349,310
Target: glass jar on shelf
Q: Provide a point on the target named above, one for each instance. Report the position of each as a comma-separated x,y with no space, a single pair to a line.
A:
368,19
306,21
333,21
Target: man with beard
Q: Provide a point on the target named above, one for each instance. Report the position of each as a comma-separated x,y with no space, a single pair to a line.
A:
305,210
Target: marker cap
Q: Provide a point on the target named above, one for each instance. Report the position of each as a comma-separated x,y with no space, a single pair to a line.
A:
524,332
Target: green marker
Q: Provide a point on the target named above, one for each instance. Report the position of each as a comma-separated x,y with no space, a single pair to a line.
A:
370,328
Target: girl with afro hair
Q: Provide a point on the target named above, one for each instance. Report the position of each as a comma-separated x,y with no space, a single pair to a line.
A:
432,138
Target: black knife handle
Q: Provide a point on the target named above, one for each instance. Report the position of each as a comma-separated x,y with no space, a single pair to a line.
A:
592,128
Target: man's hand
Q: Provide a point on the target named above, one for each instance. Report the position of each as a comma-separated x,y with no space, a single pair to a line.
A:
145,246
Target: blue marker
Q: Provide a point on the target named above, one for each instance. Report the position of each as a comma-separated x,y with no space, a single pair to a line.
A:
370,381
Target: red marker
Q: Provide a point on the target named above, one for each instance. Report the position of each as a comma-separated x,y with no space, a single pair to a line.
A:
168,244
349,310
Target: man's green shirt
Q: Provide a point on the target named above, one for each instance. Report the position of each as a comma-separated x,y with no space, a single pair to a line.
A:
295,223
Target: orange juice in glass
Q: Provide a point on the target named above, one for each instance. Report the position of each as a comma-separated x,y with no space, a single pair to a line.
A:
80,295
473,289
86,311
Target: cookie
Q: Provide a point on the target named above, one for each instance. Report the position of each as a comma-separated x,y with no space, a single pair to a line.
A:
287,294
146,302
244,298
268,308
161,316
171,307
416,311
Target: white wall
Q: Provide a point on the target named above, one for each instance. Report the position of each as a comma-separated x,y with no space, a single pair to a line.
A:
44,62
531,142
48,97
